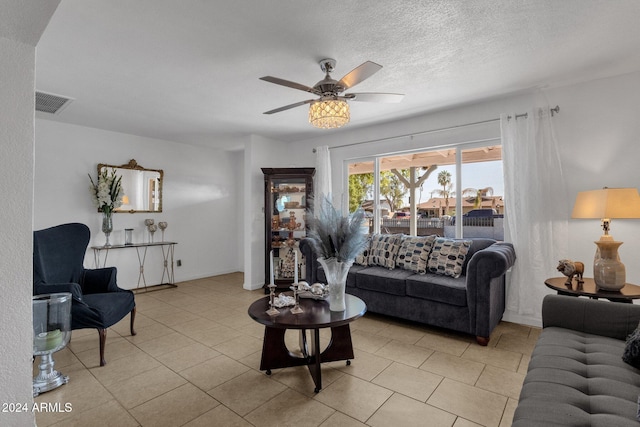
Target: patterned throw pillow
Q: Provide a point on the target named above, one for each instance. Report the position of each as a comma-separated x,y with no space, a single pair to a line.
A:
414,253
384,248
447,256
362,259
631,354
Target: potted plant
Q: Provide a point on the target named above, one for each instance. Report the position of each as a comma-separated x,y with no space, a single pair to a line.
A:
107,196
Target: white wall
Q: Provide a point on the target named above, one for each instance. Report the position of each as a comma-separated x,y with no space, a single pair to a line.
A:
16,176
597,130
261,152
200,194
258,152
21,24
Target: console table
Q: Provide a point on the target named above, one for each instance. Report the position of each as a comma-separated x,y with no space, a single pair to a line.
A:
141,251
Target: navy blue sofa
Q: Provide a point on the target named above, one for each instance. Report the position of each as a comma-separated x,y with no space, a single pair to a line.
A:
472,303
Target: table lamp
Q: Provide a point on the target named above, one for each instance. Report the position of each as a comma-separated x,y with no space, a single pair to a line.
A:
606,204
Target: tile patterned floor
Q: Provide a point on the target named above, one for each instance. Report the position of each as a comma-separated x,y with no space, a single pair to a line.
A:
195,360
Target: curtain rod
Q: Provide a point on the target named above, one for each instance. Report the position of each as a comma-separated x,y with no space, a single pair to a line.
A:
554,111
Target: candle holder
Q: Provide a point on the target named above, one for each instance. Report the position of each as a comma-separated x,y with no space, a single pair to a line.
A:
162,225
51,333
296,296
128,236
272,295
149,222
152,229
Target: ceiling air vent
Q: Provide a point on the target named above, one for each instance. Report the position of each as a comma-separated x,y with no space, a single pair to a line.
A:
50,103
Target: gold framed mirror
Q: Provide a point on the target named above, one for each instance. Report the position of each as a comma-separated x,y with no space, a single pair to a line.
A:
142,187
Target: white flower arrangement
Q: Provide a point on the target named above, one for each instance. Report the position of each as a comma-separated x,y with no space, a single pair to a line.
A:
333,235
107,193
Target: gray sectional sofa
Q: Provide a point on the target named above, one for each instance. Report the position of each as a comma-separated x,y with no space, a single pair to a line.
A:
576,376
472,303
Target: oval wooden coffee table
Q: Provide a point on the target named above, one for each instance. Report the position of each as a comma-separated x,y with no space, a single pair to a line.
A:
589,289
315,316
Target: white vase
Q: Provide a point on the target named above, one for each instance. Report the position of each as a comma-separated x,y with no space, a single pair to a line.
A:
336,273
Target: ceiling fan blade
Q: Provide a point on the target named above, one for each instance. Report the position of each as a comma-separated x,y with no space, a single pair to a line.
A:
290,84
287,107
358,74
389,98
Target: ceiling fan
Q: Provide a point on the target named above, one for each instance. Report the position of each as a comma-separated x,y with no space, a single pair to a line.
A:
331,109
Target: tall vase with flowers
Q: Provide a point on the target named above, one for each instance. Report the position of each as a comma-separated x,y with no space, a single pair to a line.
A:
107,196
337,240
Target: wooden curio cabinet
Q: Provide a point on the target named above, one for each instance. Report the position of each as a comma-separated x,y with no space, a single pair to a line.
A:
286,194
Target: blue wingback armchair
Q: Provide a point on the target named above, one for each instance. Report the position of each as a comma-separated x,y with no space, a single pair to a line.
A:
58,266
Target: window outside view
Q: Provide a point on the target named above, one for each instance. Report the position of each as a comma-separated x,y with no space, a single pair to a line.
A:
439,202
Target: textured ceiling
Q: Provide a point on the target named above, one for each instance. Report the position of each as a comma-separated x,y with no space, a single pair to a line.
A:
187,70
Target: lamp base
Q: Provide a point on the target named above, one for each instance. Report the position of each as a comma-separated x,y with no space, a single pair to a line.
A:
608,271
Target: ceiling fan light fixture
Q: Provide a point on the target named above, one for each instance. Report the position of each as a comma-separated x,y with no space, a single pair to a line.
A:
329,113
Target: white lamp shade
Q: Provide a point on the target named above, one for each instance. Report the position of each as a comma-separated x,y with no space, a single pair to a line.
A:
607,203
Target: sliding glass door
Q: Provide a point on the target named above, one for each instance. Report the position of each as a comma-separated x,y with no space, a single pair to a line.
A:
452,191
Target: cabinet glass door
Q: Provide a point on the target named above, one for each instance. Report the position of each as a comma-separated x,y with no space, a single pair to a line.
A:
288,204
287,194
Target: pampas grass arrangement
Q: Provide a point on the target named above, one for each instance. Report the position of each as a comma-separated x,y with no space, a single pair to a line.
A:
333,235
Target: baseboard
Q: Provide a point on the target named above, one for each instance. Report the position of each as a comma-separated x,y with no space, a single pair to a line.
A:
252,286
522,319
204,275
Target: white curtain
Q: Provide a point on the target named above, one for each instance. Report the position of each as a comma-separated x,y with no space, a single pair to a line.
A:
322,180
536,214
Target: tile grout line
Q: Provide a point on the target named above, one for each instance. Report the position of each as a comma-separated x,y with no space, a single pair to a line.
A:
243,330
